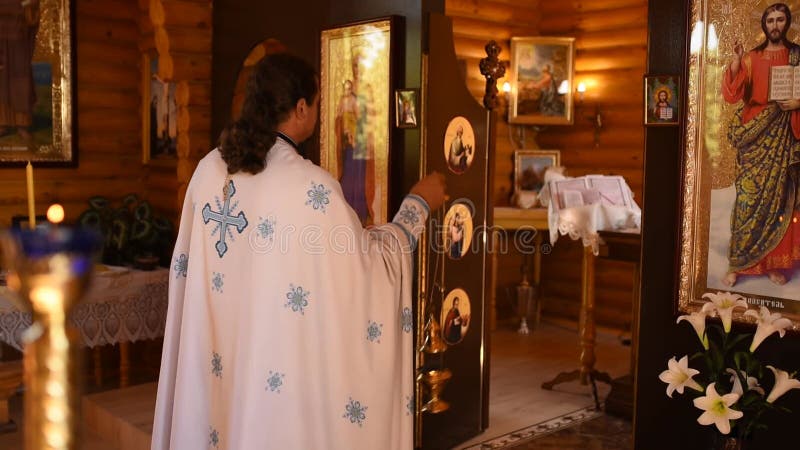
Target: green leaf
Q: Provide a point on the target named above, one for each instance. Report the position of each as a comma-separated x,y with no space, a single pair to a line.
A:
737,339
716,329
129,200
717,359
749,398
739,361
98,202
143,211
162,224
90,219
141,230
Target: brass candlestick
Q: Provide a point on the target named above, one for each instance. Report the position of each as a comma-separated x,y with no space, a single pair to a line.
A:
433,342
435,380
524,300
49,270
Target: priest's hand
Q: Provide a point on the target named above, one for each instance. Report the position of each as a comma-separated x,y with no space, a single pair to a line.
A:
432,189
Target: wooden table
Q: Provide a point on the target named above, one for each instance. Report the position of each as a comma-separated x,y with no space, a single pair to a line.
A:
512,220
623,246
615,245
121,306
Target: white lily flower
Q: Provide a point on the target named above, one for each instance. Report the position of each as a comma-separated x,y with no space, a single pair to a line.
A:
698,321
752,382
767,324
679,375
722,304
782,384
717,409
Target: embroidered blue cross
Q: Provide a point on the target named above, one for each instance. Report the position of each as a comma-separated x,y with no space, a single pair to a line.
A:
213,438
355,412
275,381
374,331
224,219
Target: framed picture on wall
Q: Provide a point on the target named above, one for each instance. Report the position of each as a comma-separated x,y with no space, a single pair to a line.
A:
541,80
37,84
740,217
530,166
406,108
159,113
356,103
661,99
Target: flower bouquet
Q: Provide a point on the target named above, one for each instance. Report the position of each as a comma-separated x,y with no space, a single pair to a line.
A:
729,387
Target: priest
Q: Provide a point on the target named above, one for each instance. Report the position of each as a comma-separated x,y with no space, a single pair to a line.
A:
289,325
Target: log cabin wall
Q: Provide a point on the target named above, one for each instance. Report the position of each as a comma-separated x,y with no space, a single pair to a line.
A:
611,41
111,36
109,118
182,36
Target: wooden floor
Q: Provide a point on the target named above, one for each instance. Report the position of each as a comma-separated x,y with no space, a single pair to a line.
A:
519,365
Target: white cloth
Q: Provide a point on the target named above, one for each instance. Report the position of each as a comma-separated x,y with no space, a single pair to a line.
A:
295,332
121,305
584,221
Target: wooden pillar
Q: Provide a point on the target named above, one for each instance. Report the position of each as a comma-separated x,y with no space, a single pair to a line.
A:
586,324
124,364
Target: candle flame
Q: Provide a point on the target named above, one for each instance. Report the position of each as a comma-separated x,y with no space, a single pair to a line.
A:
55,213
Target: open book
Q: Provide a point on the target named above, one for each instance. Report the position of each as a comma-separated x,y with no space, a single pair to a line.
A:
590,189
784,82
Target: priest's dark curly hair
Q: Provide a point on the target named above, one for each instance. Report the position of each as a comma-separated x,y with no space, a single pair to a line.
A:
278,82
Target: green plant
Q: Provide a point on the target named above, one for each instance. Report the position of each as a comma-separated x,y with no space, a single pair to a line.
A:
729,373
130,231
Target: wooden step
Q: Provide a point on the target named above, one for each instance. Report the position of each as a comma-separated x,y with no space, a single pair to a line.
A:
123,417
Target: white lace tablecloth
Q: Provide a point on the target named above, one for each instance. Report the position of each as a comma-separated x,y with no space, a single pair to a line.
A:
122,305
585,221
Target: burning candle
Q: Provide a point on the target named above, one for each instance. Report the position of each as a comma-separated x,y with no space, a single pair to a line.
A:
55,214
31,204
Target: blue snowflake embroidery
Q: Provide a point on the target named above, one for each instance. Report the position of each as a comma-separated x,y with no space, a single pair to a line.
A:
266,228
409,215
213,437
216,365
318,196
224,219
275,381
297,299
181,266
409,405
217,282
374,332
406,320
355,412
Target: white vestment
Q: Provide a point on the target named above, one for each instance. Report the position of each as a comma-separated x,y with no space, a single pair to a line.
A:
289,325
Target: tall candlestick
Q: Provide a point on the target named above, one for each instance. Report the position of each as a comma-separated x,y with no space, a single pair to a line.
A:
31,203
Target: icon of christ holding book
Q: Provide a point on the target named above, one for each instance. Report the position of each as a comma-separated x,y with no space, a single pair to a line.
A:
765,132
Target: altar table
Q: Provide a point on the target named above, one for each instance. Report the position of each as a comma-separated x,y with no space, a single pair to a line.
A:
121,306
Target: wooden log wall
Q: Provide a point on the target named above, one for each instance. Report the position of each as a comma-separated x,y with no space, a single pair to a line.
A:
182,31
111,36
109,119
611,46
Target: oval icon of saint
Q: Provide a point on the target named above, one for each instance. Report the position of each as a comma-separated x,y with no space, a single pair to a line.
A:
455,316
459,145
457,231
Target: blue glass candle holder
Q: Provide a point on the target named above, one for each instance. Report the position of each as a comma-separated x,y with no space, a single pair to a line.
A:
49,270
